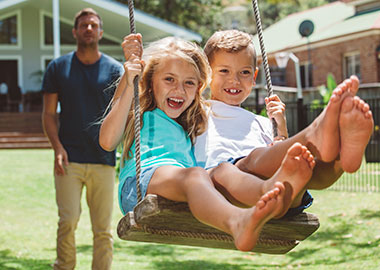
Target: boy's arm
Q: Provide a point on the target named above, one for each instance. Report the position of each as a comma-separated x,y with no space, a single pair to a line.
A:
276,110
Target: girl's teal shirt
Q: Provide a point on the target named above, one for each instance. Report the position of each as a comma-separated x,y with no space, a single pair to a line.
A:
163,142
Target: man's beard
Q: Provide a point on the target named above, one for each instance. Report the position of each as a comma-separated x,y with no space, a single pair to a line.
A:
87,45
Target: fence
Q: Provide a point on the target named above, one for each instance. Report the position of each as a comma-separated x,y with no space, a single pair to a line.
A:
367,178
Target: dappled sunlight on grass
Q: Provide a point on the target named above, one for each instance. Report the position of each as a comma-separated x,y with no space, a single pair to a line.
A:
348,238
9,261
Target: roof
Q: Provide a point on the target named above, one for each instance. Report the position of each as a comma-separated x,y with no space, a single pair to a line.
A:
353,24
115,16
330,21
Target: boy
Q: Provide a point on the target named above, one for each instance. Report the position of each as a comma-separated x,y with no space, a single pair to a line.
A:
337,138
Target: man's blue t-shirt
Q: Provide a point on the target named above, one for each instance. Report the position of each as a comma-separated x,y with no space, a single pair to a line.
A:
84,92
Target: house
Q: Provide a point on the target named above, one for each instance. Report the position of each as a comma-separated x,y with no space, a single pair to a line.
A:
342,38
27,45
26,37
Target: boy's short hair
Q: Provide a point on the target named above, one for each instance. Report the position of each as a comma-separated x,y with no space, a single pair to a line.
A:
229,41
85,12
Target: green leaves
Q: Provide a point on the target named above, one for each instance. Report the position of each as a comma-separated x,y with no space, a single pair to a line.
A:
201,16
325,91
206,16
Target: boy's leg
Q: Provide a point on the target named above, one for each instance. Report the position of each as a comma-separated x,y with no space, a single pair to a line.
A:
243,188
325,174
246,227
240,188
194,186
356,126
321,137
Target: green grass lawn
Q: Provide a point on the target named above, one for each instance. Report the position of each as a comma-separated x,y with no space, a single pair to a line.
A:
349,236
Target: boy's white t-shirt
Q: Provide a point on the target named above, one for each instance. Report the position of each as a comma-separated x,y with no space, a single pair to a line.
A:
232,132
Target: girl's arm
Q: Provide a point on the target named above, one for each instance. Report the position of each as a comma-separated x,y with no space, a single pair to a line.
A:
276,109
113,125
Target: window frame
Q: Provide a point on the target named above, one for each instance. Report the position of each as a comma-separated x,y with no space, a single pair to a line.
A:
71,23
43,59
20,74
346,58
18,45
308,76
42,36
278,75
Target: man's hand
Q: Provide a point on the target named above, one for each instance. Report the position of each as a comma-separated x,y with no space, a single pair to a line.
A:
60,160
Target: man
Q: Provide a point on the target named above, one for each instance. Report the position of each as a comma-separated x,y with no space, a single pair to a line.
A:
83,82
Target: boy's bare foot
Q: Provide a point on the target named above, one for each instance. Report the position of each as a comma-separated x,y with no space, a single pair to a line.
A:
295,172
248,226
354,85
323,134
356,125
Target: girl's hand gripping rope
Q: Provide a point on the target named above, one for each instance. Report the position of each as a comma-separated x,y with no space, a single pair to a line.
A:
133,49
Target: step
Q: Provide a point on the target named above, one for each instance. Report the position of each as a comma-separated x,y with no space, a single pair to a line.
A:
23,139
26,145
20,140
21,134
27,122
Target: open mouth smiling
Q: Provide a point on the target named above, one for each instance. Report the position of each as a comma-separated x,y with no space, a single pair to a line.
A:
175,103
232,91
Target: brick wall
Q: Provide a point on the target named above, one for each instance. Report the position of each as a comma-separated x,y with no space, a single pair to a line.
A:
329,58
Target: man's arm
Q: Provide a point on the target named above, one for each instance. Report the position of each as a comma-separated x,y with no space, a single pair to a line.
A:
50,125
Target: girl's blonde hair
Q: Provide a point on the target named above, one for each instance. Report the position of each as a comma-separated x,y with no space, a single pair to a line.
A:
193,119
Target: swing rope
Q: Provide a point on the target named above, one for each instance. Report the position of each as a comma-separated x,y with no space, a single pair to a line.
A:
136,108
264,56
137,127
156,219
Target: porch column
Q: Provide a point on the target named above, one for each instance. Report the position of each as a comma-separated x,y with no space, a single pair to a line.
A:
56,33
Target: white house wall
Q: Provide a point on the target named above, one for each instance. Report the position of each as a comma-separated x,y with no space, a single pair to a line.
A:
31,48
31,53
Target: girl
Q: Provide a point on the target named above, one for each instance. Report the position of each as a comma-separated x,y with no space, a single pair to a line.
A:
175,72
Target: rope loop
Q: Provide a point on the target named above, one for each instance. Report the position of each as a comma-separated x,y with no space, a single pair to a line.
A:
264,56
137,126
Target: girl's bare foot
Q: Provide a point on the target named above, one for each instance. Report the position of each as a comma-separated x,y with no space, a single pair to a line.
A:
356,126
323,134
294,172
247,226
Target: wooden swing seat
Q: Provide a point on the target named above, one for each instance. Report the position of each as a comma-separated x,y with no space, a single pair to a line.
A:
156,219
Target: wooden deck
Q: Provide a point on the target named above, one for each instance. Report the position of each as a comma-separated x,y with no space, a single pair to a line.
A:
22,131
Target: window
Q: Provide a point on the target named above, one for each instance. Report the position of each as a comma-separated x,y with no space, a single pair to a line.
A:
46,62
278,76
306,75
66,35
8,31
352,65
